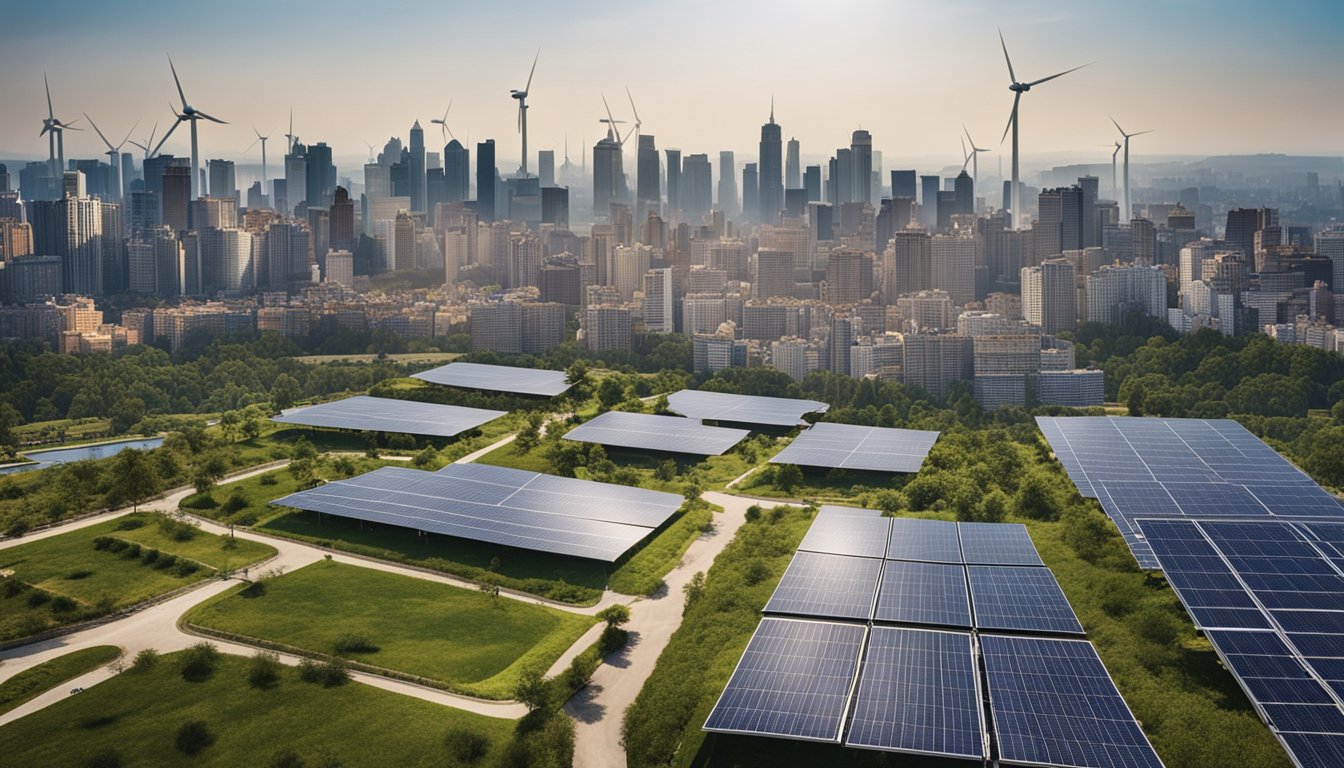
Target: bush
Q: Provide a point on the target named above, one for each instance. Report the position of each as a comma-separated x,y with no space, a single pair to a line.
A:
132,551
310,671
465,746
328,674
164,562
13,587
37,598
753,513
185,568
177,530
130,523
236,502
63,604
199,661
102,542
286,758
149,556
613,639
355,643
615,615
263,671
145,660
193,737
268,479
77,575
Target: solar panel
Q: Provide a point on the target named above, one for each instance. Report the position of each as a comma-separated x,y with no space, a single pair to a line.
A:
643,431
454,506
832,510
846,446
918,692
827,586
793,681
1020,598
1315,749
498,378
1212,595
565,495
847,535
997,544
930,540
1053,703
923,593
385,414
742,409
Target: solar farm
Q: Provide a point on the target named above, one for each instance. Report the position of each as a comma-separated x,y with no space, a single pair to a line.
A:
384,414
931,638
497,378
1251,545
498,505
668,434
846,446
742,409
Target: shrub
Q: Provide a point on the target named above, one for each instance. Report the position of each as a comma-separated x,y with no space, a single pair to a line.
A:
267,479
13,587
613,639
328,674
79,574
263,671
132,551
149,556
755,572
102,542
199,661
286,758
753,513
185,568
615,615
130,523
355,643
145,660
236,502
193,737
531,690
63,604
310,671
465,746
164,562
177,530
37,598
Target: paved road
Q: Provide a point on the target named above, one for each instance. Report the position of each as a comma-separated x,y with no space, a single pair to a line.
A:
599,709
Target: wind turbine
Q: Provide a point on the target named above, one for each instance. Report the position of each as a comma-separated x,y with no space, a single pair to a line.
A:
442,122
1128,136
1115,182
113,153
975,157
1019,88
262,139
611,122
192,115
148,144
54,129
370,146
521,96
638,124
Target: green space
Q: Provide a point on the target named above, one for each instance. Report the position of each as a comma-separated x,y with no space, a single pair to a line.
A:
228,715
61,430
1189,705
642,573
438,358
115,564
781,481
247,501
472,642
35,681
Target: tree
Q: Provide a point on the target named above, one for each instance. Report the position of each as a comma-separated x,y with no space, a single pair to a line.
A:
788,477
531,690
693,590
253,420
229,423
9,418
134,477
580,384
126,413
615,615
610,393
285,391
529,436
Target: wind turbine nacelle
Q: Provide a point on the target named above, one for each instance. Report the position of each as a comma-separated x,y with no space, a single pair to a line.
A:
520,95
1019,87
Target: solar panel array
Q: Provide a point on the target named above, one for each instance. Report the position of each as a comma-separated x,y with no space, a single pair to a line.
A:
1182,468
498,505
846,446
918,602
498,378
647,432
742,409
1269,595
385,414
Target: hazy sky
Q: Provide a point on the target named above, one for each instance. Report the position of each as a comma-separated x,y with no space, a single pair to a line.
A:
1211,76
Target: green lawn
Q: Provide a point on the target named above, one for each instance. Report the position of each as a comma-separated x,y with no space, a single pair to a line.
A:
136,716
31,683
65,578
471,641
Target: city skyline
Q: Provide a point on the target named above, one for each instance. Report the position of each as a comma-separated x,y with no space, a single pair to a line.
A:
1165,76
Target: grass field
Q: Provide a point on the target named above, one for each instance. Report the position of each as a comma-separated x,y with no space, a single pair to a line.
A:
33,682
65,578
402,357
136,717
474,642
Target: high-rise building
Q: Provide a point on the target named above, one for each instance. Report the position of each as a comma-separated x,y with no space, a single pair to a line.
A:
1116,291
673,179
607,327
456,172
728,184
751,192
285,246
296,178
861,155
72,228
1050,296
774,273
1243,223
485,180
648,184
154,258
903,184
418,191
771,197
935,361
1091,231
812,183
1330,244
953,267
789,355
341,221
839,342
928,211
546,167
1059,225
964,189
658,303
608,176
321,176
849,276
176,196
695,197
907,264
227,261
793,177
222,182
16,239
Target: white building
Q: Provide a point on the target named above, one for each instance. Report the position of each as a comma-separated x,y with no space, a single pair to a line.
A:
658,312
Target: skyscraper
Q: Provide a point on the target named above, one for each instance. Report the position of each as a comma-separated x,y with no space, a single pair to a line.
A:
793,177
861,155
964,188
608,175
546,167
751,192
1050,296
176,186
771,196
903,184
728,184
658,314
673,179
812,183
418,191
221,173
928,211
1060,219
456,172
296,178
696,195
321,176
648,185
1091,231
342,221
485,180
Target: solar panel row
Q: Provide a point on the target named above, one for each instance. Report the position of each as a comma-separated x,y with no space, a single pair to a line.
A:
498,378
385,414
742,409
846,446
497,505
648,432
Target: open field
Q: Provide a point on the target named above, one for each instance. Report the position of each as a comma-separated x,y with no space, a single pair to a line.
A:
135,717
68,578
404,357
33,682
473,642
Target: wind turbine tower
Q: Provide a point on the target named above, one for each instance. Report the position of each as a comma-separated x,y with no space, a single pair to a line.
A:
521,96
1128,214
265,182
1019,88
54,129
975,158
192,115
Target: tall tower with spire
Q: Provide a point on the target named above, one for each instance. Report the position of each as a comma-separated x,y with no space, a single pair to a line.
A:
419,191
771,169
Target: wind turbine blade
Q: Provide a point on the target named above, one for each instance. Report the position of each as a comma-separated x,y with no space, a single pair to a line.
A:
159,146
968,135
100,133
611,121
180,94
138,144
211,119
1117,127
254,130
128,133
250,146
1012,118
71,125
528,87
51,113
1011,76
1140,133
1061,74
632,104
152,131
